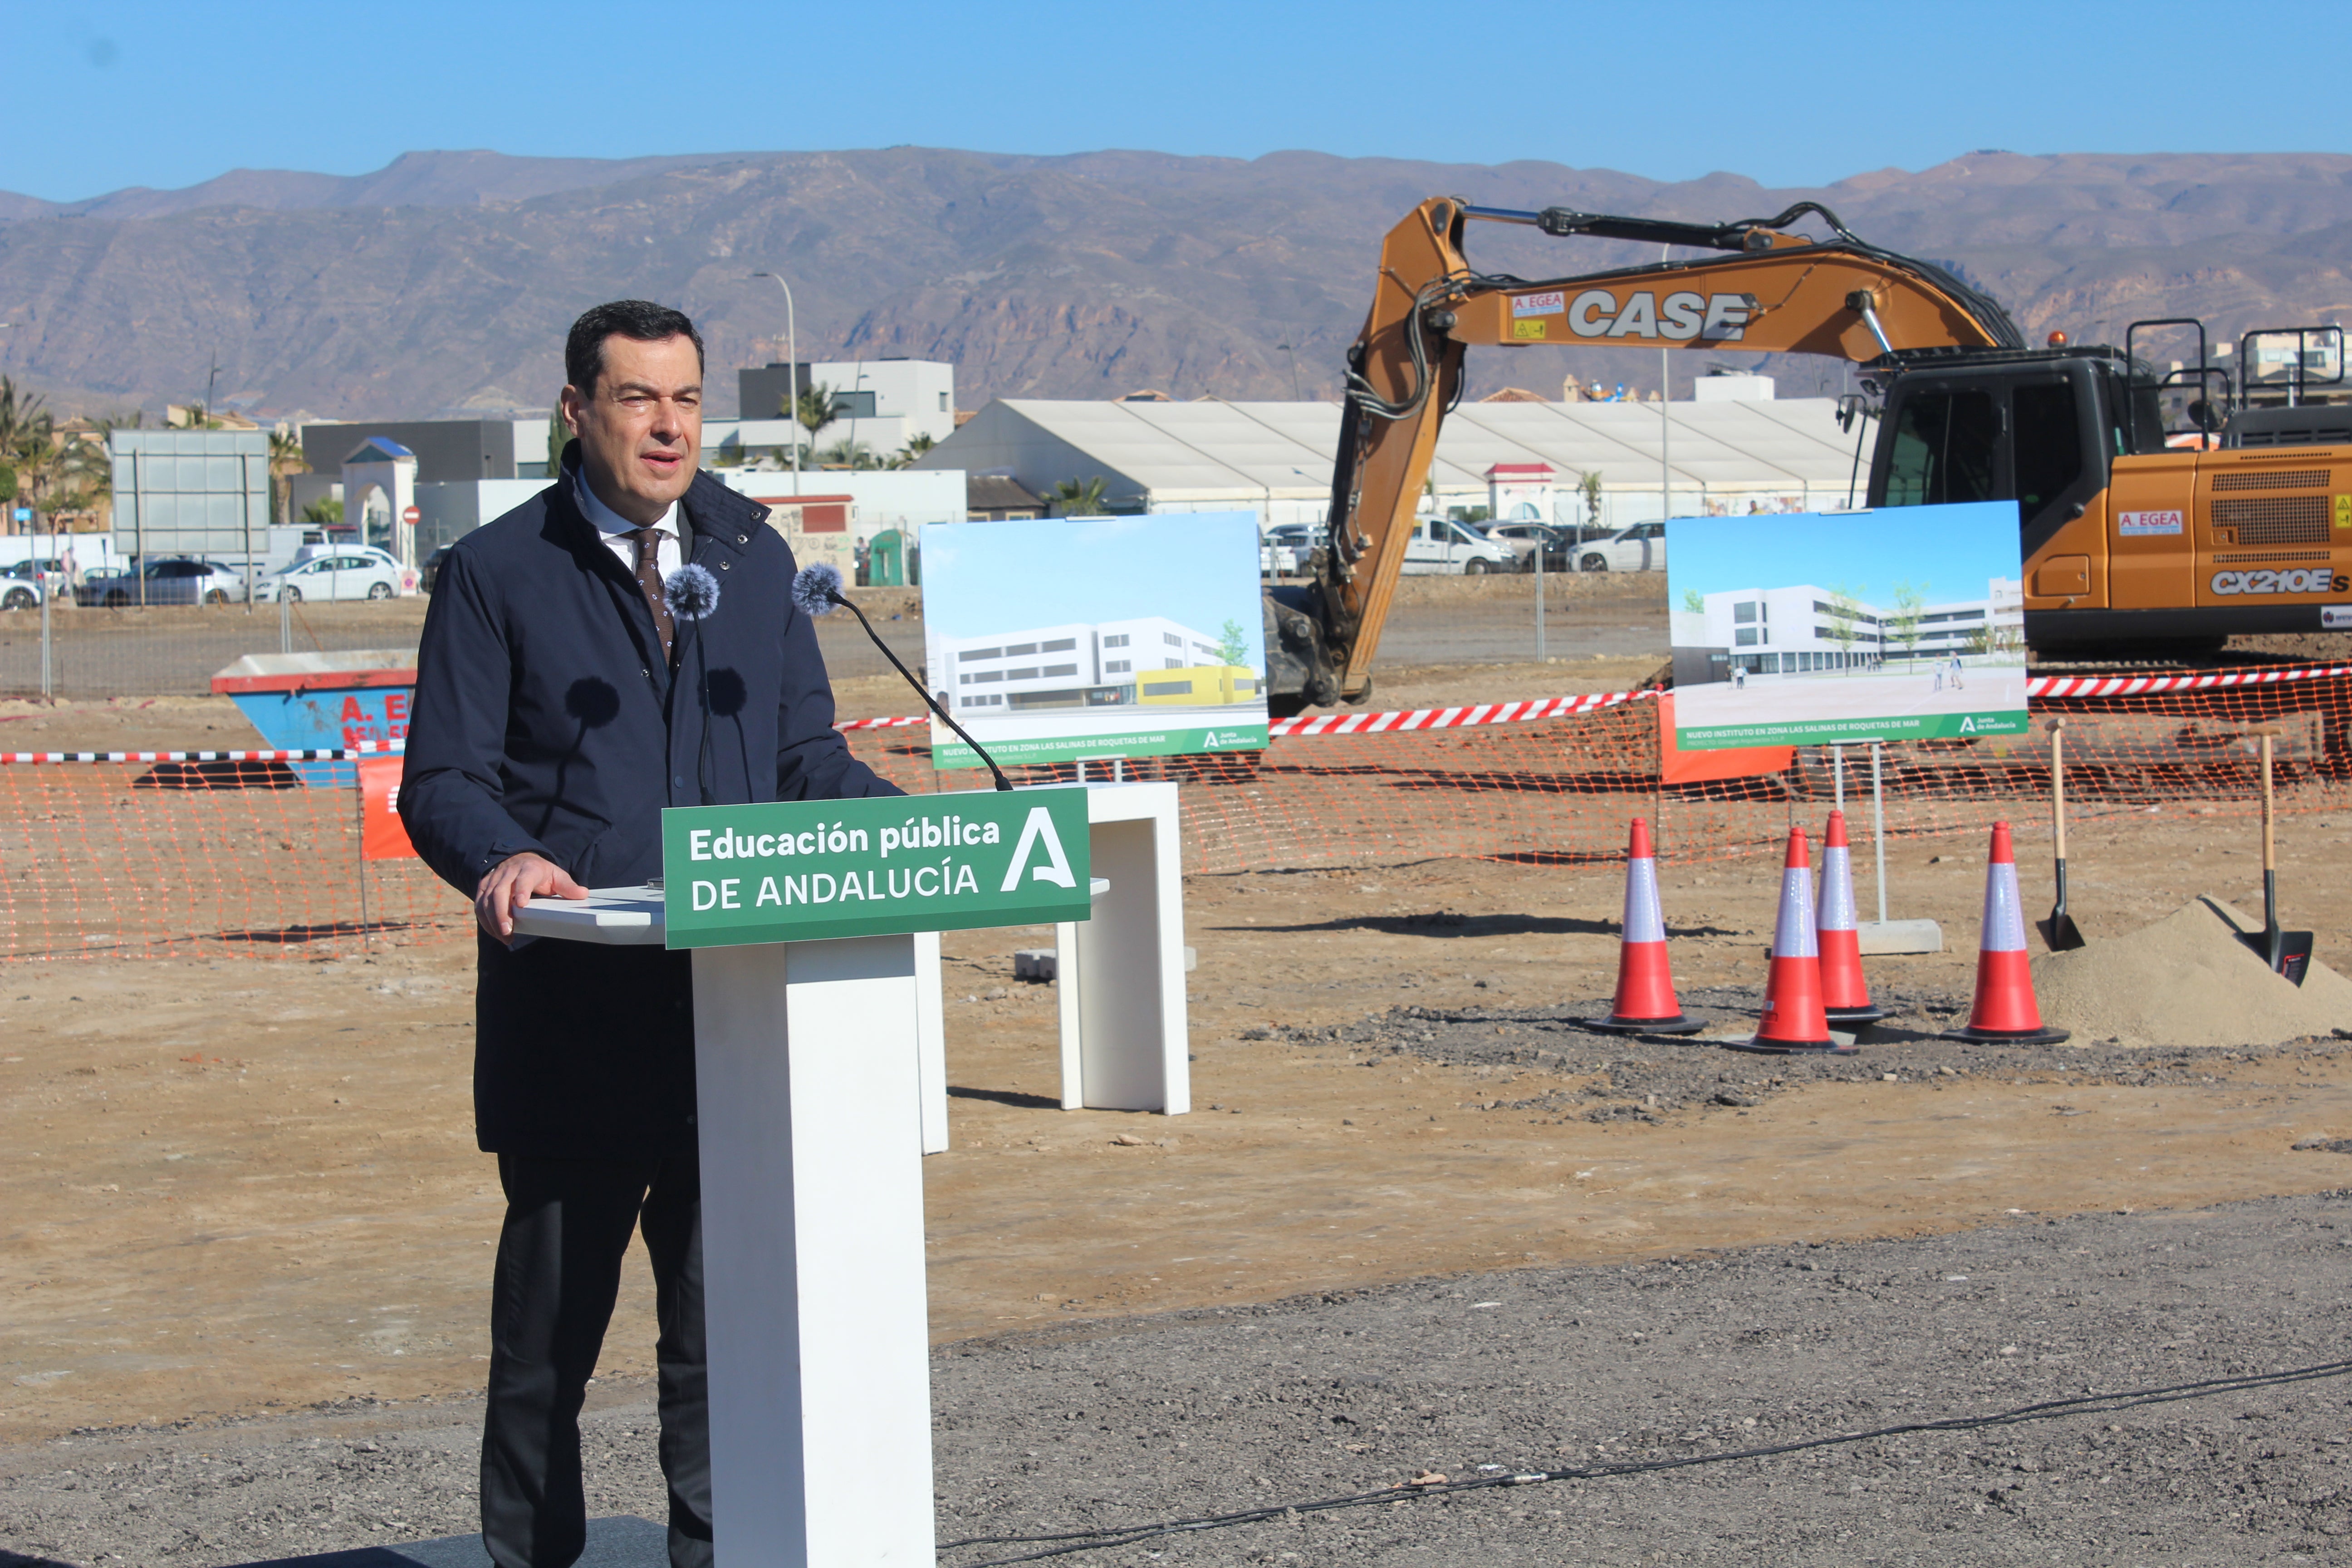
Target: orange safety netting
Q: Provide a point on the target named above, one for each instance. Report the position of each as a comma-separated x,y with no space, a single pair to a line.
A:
117,858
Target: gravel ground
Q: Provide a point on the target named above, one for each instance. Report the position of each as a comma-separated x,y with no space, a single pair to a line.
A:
1122,1422
1645,1077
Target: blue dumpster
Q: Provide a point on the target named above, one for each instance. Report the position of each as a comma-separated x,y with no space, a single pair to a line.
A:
320,702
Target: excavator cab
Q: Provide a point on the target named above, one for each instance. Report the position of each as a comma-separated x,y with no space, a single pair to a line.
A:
2041,427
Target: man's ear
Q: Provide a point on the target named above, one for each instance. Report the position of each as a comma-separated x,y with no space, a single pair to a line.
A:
569,405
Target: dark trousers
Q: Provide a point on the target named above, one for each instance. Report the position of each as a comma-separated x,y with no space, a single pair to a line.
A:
567,1228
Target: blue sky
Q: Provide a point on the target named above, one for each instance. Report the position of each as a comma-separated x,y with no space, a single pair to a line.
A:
1198,568
1946,552
105,96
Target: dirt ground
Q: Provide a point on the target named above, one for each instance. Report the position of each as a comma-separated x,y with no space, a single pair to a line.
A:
243,1184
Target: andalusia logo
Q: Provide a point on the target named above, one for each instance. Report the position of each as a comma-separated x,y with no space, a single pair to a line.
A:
1039,831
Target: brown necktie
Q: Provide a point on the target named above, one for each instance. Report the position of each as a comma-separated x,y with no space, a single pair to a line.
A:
649,579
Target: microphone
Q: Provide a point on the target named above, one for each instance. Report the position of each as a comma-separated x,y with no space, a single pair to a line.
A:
692,592
816,590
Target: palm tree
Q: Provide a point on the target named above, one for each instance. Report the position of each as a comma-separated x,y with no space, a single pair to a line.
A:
1078,498
916,447
286,460
814,409
848,454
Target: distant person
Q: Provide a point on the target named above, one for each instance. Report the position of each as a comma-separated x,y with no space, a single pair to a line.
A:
1958,685
549,733
1739,677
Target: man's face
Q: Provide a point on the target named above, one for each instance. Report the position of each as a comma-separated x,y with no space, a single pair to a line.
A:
641,428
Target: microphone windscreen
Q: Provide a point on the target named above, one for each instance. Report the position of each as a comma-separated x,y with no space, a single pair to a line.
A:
691,591
813,587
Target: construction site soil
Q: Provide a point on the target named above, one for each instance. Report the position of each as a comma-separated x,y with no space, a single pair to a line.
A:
1417,1222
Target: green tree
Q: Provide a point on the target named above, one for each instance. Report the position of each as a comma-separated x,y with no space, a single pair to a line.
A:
847,453
326,509
916,444
1232,645
1078,498
815,408
1587,485
1845,622
1904,623
1693,601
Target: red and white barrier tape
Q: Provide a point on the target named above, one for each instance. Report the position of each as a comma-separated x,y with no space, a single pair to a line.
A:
1398,722
2132,685
338,754
1452,717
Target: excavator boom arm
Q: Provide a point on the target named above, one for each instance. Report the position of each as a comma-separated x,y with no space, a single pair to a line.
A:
1773,292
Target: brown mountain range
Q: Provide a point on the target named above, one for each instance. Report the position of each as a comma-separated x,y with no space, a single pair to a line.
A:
443,282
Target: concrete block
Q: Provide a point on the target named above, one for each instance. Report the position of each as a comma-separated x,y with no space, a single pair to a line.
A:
1034,964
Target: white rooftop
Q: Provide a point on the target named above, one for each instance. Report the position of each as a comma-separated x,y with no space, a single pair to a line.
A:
1213,449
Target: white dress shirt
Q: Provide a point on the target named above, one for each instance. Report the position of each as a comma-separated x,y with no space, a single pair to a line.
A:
669,556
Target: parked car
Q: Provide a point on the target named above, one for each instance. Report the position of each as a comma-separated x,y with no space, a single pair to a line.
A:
1641,547
177,580
21,587
432,569
1283,549
1524,538
1441,544
336,571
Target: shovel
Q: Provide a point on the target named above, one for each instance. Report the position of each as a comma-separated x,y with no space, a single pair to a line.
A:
2287,952
2059,932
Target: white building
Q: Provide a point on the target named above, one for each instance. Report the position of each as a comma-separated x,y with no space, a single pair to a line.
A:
880,404
1803,628
1082,665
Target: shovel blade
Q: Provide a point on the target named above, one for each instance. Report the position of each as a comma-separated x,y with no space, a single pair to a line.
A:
2059,932
2287,952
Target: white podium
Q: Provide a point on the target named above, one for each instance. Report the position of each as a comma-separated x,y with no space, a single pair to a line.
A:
1125,1037
811,1172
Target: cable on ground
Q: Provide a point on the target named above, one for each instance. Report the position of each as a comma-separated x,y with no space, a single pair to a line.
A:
1068,1541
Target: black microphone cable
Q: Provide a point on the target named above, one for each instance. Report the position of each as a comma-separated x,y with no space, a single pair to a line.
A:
816,589
1069,1542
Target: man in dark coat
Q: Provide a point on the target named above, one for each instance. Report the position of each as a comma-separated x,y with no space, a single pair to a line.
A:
560,703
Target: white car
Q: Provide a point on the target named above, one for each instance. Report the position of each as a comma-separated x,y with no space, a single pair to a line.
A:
1641,547
21,587
1283,549
336,571
1441,544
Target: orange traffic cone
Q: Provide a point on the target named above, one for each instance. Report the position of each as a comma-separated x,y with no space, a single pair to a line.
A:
1645,1001
2005,1012
1793,1019
1845,995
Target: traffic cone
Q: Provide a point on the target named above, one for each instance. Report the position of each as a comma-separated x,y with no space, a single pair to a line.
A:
1845,995
1793,1019
1645,1001
2005,1012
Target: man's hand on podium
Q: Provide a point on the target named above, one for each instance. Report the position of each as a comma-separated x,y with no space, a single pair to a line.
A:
514,882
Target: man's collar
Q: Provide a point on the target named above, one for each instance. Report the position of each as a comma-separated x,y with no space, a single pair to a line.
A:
604,519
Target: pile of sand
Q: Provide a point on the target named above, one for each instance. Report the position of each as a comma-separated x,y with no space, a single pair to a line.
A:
2186,980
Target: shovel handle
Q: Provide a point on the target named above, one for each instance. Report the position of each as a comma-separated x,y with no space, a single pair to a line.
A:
2058,784
2270,863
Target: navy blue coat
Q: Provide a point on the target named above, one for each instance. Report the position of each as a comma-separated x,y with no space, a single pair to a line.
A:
547,720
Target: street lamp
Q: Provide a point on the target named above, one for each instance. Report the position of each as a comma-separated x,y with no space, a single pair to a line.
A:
792,373
1286,348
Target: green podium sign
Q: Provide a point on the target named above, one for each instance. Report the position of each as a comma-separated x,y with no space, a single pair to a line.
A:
809,871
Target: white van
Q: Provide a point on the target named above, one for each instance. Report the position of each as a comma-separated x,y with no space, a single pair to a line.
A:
1440,544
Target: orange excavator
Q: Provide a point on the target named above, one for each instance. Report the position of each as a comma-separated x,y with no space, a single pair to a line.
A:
2160,510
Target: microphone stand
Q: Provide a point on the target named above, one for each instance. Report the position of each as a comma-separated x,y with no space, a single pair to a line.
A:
928,701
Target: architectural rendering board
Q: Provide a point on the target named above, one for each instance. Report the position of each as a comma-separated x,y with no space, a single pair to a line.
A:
1058,639
1901,623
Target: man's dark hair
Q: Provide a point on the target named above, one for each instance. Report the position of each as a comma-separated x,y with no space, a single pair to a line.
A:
584,351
